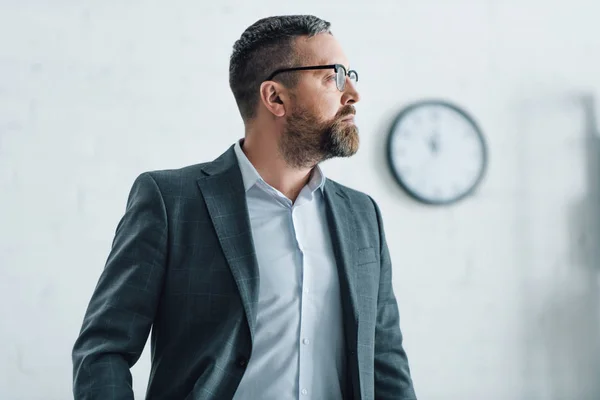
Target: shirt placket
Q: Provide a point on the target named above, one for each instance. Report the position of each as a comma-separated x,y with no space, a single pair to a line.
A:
304,342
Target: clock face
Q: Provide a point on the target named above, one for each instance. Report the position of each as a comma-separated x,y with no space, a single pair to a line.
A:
436,152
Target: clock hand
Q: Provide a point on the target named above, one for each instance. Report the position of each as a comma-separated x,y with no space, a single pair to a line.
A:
434,143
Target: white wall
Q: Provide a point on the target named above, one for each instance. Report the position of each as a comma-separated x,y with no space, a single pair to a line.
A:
499,294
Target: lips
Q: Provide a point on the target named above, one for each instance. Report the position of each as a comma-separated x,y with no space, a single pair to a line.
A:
347,113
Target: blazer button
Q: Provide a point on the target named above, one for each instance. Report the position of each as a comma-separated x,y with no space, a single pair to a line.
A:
242,362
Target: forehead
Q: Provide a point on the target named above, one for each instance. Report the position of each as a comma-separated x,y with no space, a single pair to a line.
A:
321,49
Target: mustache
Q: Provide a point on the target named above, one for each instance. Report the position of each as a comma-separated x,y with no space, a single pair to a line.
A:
345,111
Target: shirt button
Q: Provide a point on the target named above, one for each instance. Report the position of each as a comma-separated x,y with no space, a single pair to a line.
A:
304,391
306,290
305,341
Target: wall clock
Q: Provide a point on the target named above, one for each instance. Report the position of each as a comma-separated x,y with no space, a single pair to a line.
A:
436,152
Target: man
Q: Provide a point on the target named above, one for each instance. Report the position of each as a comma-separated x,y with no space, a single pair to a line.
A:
260,278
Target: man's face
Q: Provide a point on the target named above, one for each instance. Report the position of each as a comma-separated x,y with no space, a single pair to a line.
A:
319,121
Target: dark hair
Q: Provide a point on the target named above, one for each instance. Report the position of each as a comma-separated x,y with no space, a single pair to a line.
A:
265,46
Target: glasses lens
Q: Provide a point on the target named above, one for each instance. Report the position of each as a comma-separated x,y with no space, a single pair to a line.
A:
341,78
353,76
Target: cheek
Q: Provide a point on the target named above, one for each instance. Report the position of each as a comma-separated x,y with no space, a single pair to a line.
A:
321,103
327,109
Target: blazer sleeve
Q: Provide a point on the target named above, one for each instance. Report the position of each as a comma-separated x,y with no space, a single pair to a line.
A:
122,307
392,373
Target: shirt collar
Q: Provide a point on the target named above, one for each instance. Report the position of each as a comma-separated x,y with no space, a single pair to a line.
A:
250,175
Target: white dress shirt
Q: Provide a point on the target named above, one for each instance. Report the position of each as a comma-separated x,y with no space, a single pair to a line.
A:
298,348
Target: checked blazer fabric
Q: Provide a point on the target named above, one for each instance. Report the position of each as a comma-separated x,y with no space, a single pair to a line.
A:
182,265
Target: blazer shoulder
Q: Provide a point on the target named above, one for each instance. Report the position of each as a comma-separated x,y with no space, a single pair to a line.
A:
356,197
194,170
185,177
173,181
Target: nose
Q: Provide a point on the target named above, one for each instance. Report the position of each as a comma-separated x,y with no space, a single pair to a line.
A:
350,95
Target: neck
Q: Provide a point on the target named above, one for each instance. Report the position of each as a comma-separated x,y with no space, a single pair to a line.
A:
264,155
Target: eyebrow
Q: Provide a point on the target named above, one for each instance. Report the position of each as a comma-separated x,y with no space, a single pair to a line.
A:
324,61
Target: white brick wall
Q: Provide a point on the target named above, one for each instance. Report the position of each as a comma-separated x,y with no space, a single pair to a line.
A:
499,294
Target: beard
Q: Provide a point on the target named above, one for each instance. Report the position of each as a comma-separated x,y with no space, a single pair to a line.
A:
307,141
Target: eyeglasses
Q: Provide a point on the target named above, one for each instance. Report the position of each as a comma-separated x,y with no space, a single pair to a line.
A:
340,71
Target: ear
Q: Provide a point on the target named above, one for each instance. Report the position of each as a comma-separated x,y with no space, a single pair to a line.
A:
274,97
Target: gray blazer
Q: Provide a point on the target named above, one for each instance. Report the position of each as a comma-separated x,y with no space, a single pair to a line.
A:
183,263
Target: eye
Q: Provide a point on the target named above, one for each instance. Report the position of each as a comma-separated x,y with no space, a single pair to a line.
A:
331,77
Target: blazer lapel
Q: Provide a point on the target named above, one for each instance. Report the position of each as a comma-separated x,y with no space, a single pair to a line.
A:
225,197
341,222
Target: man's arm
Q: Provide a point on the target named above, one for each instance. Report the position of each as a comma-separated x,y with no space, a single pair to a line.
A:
121,310
392,374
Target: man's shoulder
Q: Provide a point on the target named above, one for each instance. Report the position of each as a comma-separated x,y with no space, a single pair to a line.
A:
193,172
356,197
171,174
360,204
174,181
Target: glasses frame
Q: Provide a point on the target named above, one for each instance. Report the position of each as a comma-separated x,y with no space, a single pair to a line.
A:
335,67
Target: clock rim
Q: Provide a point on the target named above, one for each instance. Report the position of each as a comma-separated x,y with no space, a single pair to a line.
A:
398,176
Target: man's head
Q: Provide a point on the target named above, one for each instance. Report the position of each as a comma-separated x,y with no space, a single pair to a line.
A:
310,110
